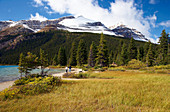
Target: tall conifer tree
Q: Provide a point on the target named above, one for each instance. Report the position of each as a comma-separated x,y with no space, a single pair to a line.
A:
111,55
73,54
146,48
132,50
102,55
62,60
54,60
21,64
150,56
123,55
43,61
81,53
139,55
119,52
163,47
92,55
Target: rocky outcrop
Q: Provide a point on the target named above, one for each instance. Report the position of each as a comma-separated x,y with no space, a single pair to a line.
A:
128,32
15,30
32,24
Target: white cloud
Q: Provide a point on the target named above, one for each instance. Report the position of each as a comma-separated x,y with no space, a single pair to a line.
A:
120,11
38,17
152,2
152,20
39,2
46,8
165,23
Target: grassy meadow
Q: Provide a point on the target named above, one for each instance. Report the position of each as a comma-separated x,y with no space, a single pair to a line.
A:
118,92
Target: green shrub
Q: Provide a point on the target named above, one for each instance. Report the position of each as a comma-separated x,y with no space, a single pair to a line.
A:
117,69
135,64
82,75
85,68
69,75
73,75
162,67
9,93
96,67
31,86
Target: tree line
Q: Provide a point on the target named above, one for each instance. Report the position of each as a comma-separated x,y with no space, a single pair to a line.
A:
148,54
79,56
99,55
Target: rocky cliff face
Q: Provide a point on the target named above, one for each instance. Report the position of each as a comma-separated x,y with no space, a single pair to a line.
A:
35,25
129,33
4,24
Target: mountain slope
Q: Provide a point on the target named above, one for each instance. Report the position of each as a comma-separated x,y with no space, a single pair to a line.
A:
73,24
51,41
128,33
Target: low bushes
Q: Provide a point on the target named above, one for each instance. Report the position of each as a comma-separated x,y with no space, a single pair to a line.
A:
78,76
135,64
162,67
30,86
116,69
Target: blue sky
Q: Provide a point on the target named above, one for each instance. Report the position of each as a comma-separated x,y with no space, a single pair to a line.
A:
148,16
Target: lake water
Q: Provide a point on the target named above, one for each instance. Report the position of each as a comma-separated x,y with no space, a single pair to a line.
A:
10,72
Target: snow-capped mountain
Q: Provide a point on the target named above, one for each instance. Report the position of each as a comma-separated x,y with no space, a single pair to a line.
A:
129,32
81,24
70,23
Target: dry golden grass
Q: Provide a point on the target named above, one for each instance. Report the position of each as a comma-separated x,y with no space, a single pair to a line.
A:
126,92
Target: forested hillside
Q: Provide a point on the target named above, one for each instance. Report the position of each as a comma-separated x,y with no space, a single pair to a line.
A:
51,41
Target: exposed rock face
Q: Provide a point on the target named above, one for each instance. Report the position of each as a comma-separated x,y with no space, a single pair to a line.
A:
33,24
128,32
95,24
4,24
18,29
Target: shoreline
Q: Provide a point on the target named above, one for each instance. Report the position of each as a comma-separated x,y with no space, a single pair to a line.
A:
7,84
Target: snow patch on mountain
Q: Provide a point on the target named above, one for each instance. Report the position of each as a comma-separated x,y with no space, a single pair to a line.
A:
26,26
76,22
12,24
89,31
81,24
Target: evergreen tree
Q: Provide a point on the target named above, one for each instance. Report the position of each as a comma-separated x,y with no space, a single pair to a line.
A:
123,55
163,47
141,49
62,60
92,55
81,53
30,62
111,57
43,61
119,52
149,56
146,48
114,57
138,55
21,64
73,51
54,60
102,55
132,50
168,55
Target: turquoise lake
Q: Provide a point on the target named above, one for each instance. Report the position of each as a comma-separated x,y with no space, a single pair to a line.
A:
10,72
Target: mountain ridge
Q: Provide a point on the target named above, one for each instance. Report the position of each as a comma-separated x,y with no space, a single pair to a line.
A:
74,24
